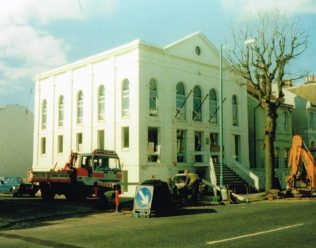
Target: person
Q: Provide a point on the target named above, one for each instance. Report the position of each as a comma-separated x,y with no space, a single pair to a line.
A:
192,185
172,188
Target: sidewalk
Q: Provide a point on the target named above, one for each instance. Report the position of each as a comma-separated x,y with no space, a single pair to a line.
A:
247,198
255,196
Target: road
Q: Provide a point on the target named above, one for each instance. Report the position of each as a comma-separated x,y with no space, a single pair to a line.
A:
278,223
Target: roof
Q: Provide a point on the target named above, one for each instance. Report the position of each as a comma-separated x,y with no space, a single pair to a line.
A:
252,91
306,91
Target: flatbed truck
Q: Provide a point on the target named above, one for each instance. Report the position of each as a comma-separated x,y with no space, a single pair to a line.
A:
84,175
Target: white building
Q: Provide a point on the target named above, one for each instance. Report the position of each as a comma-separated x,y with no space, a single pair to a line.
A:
303,97
16,140
282,143
157,107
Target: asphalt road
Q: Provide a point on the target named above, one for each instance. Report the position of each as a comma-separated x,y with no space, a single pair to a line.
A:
279,223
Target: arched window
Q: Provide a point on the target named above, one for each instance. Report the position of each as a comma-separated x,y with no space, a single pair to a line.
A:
101,102
235,110
212,106
197,102
180,102
79,107
44,114
313,144
61,111
153,98
125,98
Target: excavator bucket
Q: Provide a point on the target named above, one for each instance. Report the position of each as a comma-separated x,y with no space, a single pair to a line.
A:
300,155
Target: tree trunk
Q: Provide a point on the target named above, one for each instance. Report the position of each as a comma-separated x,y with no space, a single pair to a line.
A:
269,138
269,161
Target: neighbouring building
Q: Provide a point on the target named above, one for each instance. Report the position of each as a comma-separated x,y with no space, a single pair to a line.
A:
283,139
157,107
16,140
303,97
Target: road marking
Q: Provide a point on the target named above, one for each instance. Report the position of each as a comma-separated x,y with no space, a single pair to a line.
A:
253,234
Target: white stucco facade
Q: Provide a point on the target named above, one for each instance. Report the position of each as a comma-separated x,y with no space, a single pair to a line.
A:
282,143
150,94
303,97
16,140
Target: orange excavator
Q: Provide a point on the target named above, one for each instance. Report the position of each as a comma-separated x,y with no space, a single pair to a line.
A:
303,167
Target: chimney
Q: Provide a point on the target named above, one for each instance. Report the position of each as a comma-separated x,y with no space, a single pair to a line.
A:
310,79
287,83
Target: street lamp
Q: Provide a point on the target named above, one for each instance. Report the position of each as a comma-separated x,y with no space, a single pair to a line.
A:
221,179
247,43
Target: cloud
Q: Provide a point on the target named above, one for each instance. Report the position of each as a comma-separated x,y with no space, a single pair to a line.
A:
25,51
44,11
246,7
26,48
30,45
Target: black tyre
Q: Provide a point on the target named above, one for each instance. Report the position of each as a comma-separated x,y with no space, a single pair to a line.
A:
47,192
13,193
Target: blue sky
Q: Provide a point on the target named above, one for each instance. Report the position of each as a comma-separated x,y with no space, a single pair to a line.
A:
40,35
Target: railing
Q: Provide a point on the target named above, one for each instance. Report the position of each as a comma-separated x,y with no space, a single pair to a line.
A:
251,178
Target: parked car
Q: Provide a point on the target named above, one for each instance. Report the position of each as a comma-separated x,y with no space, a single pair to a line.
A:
16,187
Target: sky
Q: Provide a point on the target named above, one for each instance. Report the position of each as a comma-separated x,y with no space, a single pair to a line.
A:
37,36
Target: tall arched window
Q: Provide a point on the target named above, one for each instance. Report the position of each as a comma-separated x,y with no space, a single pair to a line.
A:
285,122
197,104
212,106
61,111
44,114
125,98
79,107
153,98
101,102
180,101
235,110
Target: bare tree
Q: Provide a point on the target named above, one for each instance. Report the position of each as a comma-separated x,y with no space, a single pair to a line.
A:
263,49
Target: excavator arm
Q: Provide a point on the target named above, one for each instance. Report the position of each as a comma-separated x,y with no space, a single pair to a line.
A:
299,153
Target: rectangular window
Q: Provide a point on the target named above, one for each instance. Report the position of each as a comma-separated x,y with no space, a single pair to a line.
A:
237,148
100,138
198,147
286,153
276,157
153,147
60,144
181,146
43,145
79,142
214,147
312,120
125,137
285,122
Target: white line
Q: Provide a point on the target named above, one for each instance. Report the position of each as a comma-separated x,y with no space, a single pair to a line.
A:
253,234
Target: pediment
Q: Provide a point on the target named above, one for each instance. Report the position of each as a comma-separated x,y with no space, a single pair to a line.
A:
195,47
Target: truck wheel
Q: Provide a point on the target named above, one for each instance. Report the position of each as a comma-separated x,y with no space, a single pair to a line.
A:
47,193
75,193
13,193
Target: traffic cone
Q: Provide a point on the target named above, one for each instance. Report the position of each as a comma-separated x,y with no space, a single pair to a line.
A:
117,200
